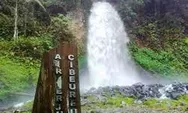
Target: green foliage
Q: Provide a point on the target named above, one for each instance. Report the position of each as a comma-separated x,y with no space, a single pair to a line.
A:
110,102
152,103
153,25
16,76
68,5
160,40
179,48
60,29
149,32
28,106
168,104
117,101
128,11
31,47
31,15
82,61
20,63
6,27
166,62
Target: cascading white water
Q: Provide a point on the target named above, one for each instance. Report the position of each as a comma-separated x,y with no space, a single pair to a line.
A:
108,60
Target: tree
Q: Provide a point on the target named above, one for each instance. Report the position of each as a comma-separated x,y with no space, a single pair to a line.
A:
27,4
16,22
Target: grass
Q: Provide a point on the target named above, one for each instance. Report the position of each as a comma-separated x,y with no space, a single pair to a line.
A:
20,63
16,76
181,103
165,105
115,102
168,62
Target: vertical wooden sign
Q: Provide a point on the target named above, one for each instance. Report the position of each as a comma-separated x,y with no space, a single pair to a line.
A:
58,84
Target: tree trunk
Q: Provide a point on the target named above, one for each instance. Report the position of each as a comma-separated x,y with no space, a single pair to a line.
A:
25,24
15,37
25,20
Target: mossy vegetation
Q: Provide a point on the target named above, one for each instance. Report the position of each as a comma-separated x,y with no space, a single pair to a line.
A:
156,104
152,104
168,62
16,76
28,106
20,64
166,104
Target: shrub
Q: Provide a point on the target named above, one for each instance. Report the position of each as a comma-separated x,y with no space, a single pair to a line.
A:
32,47
166,62
60,29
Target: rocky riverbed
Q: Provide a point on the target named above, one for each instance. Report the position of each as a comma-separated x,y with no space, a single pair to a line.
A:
138,98
140,91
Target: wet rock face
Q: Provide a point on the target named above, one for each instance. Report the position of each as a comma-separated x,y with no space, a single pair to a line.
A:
141,91
176,90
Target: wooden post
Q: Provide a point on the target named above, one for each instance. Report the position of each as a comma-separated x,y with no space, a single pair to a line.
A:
58,84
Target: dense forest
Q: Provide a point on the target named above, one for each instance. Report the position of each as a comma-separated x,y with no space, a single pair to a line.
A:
158,30
28,28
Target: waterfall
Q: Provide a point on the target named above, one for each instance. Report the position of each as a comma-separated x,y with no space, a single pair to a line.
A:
109,62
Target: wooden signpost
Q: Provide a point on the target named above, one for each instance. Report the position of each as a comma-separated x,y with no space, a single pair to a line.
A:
58,84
